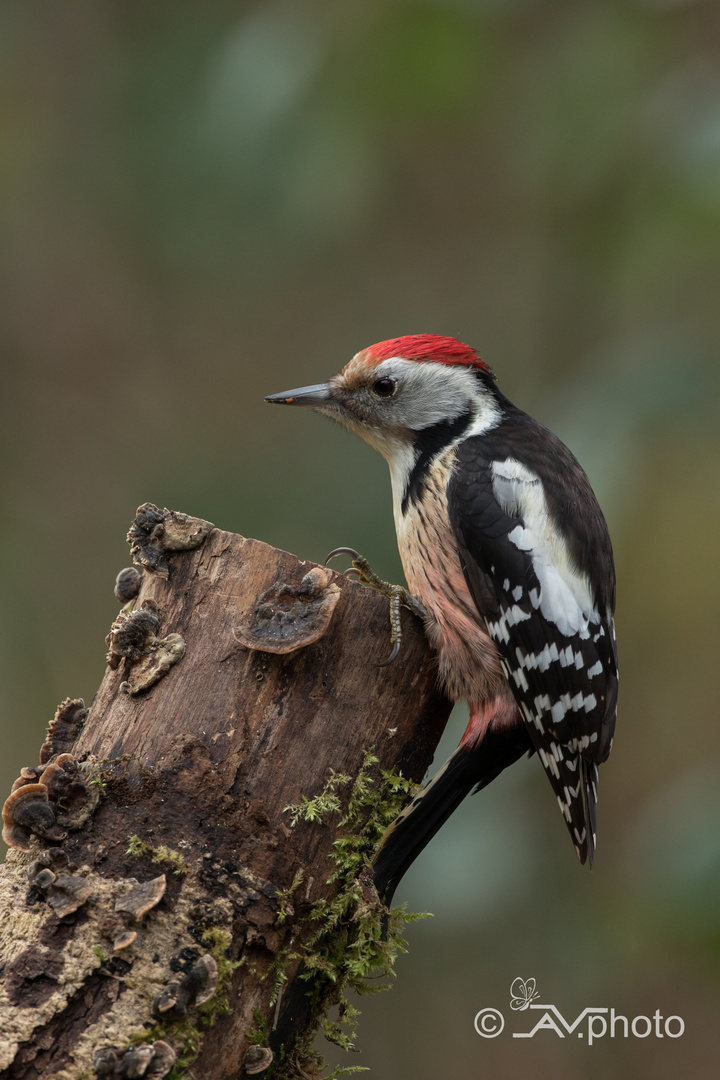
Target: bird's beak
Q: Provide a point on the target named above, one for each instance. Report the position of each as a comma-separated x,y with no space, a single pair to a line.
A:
316,396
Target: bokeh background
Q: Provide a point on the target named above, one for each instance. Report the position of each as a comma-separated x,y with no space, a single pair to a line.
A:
202,203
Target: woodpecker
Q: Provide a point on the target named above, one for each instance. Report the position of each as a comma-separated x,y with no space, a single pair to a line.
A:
504,544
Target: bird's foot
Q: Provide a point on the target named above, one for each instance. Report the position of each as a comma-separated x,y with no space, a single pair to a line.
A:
396,594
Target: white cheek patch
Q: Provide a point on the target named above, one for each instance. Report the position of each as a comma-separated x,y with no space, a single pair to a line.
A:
431,393
565,597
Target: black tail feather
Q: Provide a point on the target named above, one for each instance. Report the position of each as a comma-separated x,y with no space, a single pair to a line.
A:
463,772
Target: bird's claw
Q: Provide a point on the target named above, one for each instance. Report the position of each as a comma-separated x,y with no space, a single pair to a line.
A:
343,551
358,567
393,654
396,594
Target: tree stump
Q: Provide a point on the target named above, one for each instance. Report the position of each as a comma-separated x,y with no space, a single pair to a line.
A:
169,914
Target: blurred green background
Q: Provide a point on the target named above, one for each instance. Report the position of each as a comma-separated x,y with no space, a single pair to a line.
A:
204,203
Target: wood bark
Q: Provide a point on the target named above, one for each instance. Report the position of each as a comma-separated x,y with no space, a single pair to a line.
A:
200,769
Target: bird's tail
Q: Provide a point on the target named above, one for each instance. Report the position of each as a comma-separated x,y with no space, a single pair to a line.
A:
465,770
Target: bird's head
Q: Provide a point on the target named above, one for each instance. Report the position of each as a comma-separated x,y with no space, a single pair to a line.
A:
392,392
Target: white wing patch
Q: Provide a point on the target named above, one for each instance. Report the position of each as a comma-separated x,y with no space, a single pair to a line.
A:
565,597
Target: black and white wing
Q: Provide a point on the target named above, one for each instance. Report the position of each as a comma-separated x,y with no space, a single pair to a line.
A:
537,558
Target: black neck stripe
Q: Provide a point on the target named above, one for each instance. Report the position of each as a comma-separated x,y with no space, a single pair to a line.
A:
428,444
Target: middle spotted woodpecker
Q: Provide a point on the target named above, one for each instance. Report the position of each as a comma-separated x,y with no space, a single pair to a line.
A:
503,542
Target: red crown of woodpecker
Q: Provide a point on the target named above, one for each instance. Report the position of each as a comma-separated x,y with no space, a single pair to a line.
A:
441,350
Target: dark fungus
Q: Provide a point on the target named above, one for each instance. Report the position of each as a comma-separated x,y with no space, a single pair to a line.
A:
127,584
148,1059
136,1060
171,1002
133,639
49,877
288,617
162,1060
123,939
132,634
142,896
64,729
116,928
106,1061
197,987
68,893
258,1059
29,774
154,533
44,879
28,812
47,799
203,979
67,790
52,858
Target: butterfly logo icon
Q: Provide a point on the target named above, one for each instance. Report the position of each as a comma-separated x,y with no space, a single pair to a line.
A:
522,992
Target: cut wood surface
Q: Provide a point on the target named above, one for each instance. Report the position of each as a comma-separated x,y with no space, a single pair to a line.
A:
194,776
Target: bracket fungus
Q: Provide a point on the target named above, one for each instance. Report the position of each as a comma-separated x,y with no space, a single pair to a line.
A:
69,791
136,1060
27,812
156,533
131,907
29,774
258,1059
47,799
107,1061
52,858
141,897
133,639
64,729
68,892
116,928
132,633
127,584
197,987
162,1060
202,979
44,879
50,877
148,1059
289,617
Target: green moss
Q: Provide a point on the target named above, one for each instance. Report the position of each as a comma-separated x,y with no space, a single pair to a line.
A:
349,939
285,894
258,1036
327,802
160,854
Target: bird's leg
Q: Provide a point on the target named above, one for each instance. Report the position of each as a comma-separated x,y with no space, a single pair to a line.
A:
396,594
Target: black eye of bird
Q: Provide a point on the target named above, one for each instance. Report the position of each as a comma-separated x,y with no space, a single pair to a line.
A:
384,387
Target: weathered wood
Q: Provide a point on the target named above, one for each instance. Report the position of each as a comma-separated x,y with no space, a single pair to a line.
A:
200,768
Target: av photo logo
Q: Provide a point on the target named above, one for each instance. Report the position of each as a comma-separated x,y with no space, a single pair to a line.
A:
522,993
592,1023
